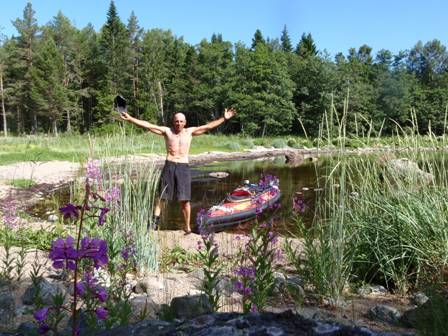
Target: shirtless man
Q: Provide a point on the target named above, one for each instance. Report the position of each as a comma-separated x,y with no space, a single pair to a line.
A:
175,181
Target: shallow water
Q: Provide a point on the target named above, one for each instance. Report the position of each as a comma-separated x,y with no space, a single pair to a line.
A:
208,191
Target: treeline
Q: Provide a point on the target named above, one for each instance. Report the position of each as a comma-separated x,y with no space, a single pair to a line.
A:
57,78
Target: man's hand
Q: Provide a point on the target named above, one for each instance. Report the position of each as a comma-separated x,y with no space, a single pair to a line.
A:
125,116
229,113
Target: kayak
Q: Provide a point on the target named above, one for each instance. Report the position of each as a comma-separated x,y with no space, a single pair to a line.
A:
244,203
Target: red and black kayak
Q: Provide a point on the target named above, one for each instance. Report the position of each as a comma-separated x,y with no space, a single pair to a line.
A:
243,203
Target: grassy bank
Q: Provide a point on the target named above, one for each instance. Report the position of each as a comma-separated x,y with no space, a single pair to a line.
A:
76,148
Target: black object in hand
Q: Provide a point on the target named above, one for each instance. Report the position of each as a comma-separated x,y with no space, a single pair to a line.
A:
120,104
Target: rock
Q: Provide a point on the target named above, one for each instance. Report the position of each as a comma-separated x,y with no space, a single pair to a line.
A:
190,306
385,314
291,285
371,290
53,218
144,307
235,324
419,298
425,312
293,157
47,291
408,169
148,285
7,307
27,329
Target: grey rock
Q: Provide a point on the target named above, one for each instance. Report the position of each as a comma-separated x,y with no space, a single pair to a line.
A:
47,291
371,290
190,306
27,329
385,313
419,298
148,285
144,306
7,307
53,218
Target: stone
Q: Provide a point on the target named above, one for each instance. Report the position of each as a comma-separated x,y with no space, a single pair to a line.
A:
149,285
47,291
371,290
190,306
27,329
419,298
53,218
143,307
7,307
385,314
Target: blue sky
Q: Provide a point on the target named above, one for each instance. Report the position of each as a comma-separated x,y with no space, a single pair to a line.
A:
335,25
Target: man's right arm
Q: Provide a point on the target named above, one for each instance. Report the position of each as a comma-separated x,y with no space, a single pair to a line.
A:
159,130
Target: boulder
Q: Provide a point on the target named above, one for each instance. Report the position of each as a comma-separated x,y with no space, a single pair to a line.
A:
47,291
189,306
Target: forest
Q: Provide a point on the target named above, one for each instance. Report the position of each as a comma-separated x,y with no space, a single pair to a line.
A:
58,78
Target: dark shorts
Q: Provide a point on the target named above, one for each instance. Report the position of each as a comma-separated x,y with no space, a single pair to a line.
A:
175,181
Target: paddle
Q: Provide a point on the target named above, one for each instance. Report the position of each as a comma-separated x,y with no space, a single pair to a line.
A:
120,104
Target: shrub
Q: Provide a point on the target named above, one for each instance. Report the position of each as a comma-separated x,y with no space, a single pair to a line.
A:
279,143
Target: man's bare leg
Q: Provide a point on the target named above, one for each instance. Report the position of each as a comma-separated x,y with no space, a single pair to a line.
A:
158,208
186,210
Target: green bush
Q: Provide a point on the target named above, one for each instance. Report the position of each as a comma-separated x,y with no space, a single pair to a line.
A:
292,142
279,143
262,142
233,146
248,142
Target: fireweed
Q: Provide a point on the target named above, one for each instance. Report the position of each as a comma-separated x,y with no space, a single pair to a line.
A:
208,255
89,255
254,278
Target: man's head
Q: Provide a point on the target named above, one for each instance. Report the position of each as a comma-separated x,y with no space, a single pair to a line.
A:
179,122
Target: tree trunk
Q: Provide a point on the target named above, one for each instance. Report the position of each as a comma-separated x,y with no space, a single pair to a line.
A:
159,87
55,127
69,124
5,128
19,121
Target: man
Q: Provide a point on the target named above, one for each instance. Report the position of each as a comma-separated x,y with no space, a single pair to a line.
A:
175,181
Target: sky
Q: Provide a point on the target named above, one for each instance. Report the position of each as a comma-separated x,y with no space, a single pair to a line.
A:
335,25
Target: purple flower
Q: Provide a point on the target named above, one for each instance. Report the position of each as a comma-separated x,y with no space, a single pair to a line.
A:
41,314
101,313
80,288
43,328
246,272
70,211
63,253
253,308
240,288
10,217
102,216
101,294
96,249
127,252
93,170
112,194
259,206
298,204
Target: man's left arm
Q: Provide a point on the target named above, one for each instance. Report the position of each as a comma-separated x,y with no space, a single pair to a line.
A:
228,113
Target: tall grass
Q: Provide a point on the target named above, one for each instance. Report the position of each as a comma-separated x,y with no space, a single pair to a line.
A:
132,219
374,222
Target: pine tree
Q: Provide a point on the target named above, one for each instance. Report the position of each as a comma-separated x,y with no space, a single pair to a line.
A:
48,92
23,62
258,39
306,46
135,54
285,40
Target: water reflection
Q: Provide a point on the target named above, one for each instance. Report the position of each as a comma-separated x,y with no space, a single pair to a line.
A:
208,191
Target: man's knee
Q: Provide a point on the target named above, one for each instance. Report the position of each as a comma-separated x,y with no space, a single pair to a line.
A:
185,204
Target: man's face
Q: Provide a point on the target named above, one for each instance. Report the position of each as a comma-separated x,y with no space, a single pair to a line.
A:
179,122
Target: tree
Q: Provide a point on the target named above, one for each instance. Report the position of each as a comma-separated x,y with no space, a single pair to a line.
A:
135,40
306,46
66,39
48,91
113,63
257,39
286,41
23,62
262,91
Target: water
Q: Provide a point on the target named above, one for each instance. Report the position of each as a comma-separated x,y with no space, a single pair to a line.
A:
208,191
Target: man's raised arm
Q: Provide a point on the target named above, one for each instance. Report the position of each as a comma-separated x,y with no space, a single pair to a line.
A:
160,130
228,113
